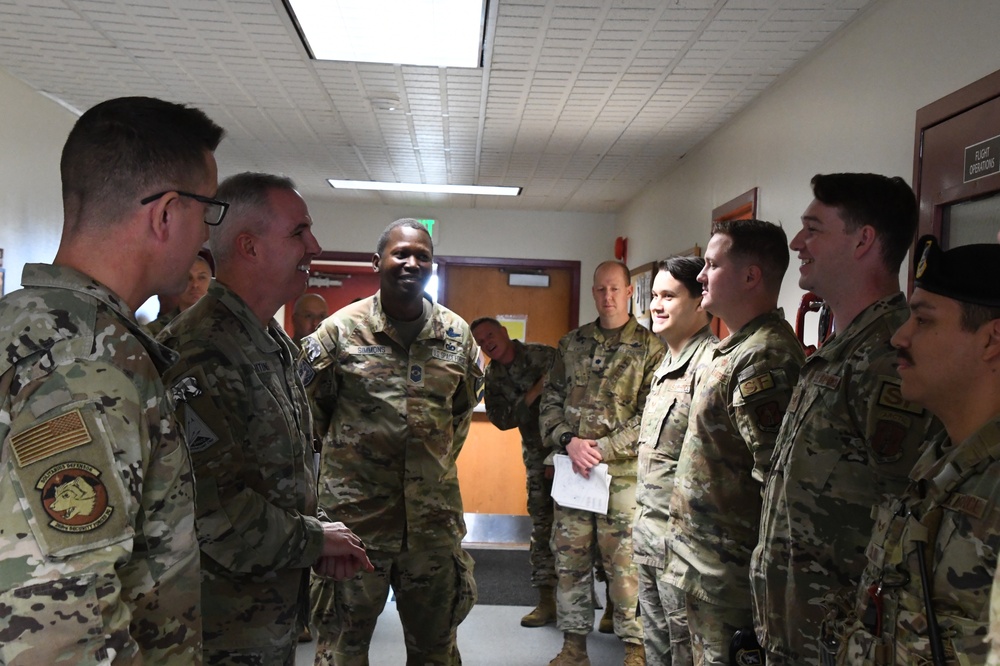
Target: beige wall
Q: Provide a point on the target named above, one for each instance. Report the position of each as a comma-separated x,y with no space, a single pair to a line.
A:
32,132
851,107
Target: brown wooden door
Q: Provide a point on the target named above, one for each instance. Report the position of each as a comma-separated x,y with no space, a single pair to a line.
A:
956,172
490,468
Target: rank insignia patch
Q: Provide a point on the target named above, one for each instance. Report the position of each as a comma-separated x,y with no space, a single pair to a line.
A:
74,497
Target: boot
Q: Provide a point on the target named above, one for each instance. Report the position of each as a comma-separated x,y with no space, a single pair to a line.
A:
635,655
574,651
545,612
607,625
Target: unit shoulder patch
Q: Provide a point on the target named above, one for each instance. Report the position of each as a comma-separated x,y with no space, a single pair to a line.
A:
74,497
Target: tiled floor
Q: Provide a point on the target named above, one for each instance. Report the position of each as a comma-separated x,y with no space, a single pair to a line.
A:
491,635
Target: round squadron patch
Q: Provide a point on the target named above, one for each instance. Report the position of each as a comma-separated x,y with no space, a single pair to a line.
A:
74,497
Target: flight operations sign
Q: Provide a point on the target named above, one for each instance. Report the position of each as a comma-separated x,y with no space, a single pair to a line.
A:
982,159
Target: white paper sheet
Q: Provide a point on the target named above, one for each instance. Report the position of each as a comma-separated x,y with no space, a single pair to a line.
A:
573,491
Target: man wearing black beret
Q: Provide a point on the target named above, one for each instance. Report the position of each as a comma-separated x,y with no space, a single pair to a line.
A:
933,553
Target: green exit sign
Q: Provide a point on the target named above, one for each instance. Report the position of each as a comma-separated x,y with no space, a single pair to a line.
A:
430,226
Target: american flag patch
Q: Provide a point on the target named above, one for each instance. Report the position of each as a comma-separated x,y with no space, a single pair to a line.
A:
56,435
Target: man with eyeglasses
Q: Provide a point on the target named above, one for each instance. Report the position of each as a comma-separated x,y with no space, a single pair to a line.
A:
249,429
98,554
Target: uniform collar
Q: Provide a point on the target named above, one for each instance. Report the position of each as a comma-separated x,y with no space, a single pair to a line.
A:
736,339
867,317
262,337
50,276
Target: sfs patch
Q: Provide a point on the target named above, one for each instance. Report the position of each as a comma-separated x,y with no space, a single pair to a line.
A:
74,497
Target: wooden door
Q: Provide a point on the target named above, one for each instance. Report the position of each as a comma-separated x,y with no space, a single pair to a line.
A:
956,166
490,468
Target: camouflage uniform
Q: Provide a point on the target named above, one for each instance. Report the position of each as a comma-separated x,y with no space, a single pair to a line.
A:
505,389
848,439
664,422
248,426
994,634
596,389
157,325
96,493
952,511
739,401
393,422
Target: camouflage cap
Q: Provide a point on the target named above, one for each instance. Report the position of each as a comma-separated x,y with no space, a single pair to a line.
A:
965,273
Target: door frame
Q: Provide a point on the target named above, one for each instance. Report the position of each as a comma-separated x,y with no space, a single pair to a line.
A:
935,113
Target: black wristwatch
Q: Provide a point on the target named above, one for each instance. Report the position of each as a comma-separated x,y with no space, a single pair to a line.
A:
565,438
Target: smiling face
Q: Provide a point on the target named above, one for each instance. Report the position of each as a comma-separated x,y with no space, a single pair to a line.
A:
405,264
825,247
676,314
288,245
494,341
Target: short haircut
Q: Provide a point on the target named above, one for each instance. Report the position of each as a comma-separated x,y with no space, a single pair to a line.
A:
484,320
760,243
408,222
974,316
888,205
125,149
248,195
685,270
621,266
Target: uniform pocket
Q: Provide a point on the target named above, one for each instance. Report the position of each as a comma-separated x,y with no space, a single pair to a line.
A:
56,623
466,593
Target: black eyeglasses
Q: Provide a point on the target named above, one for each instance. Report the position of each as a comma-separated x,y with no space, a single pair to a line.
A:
215,210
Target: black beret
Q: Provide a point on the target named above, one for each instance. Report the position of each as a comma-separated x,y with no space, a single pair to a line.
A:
967,273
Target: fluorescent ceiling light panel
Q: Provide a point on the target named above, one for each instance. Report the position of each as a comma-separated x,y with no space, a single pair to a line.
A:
436,33
420,187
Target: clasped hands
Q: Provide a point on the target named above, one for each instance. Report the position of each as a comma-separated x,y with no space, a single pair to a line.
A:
343,553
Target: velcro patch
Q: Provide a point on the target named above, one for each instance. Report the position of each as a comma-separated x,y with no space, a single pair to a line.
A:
48,438
184,390
756,384
74,497
827,380
890,396
967,504
887,440
367,350
446,356
769,416
305,371
311,348
199,436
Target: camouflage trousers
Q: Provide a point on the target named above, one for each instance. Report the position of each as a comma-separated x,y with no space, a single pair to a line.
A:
540,509
711,627
665,634
573,537
278,656
434,592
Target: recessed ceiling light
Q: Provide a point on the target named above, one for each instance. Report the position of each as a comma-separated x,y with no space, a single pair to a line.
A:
494,190
436,33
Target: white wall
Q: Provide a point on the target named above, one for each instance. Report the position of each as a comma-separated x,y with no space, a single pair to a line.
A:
31,137
851,107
